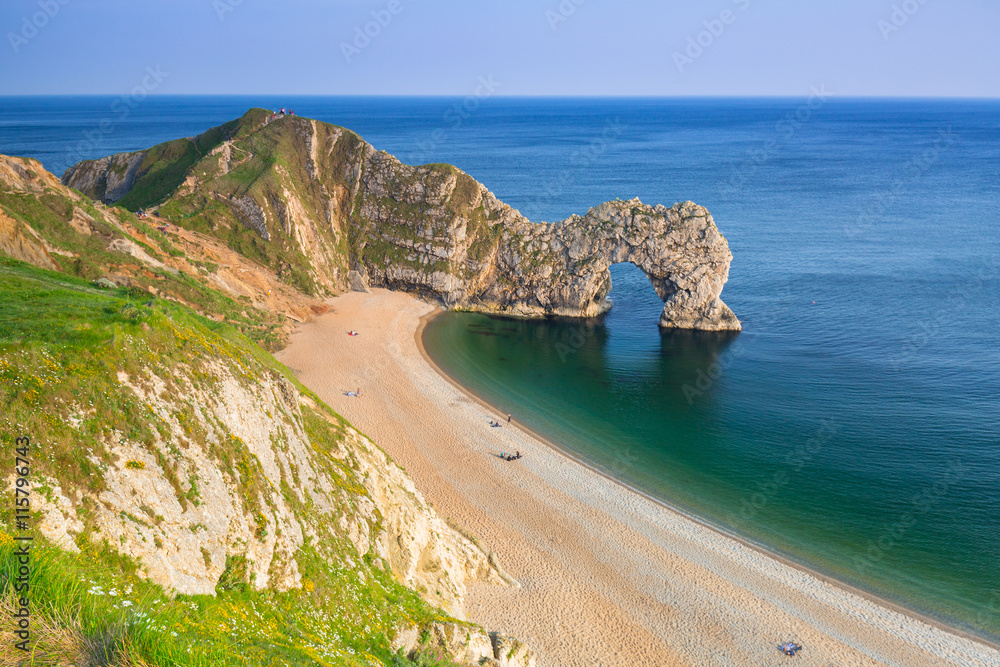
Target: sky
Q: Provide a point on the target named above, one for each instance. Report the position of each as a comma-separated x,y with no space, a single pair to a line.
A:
911,48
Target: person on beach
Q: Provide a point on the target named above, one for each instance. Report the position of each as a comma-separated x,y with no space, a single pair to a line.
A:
358,392
508,417
790,648
517,454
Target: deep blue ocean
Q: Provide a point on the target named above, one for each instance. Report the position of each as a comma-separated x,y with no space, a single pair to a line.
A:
854,425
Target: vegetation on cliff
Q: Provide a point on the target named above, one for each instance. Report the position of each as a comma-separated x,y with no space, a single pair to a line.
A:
192,502
63,343
313,201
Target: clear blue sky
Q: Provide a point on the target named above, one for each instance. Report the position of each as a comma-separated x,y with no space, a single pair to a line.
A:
529,47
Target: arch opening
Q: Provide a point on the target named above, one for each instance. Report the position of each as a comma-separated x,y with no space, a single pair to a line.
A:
631,295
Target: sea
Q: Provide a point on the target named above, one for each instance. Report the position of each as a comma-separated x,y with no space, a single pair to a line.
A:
852,427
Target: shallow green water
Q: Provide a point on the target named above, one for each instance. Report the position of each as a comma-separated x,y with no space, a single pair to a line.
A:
842,466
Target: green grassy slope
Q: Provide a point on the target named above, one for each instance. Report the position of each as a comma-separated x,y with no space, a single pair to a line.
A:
63,343
269,164
87,256
165,166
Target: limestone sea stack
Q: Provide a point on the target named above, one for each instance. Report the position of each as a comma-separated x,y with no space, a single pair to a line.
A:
329,212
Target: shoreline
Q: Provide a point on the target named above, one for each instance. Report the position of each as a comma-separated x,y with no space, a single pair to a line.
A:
609,575
759,548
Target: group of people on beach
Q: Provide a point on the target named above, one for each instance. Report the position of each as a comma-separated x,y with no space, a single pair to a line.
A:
495,423
506,456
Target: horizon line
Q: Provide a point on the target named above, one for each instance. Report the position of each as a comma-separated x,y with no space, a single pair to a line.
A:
525,96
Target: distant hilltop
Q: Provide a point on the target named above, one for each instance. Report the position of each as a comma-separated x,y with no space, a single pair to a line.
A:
168,447
327,212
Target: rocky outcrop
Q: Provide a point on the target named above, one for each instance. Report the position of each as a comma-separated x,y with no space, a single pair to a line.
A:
198,459
465,645
358,282
230,476
107,179
21,174
678,248
18,241
320,193
562,269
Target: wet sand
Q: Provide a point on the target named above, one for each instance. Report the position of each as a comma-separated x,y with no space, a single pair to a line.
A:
608,576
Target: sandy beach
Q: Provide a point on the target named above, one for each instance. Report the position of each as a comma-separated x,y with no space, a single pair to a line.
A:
608,576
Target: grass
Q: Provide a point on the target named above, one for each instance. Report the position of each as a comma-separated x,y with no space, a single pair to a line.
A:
258,177
88,257
165,166
92,608
63,343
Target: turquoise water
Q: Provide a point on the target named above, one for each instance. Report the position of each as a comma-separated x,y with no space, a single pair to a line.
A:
854,425
839,463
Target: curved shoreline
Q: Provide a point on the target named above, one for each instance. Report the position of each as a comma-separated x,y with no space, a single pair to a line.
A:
609,576
759,548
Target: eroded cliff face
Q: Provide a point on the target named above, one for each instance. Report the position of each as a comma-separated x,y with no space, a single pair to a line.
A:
235,472
186,449
326,202
468,646
107,179
679,249
47,224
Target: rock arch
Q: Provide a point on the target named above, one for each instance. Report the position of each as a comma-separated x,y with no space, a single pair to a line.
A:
564,268
340,205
